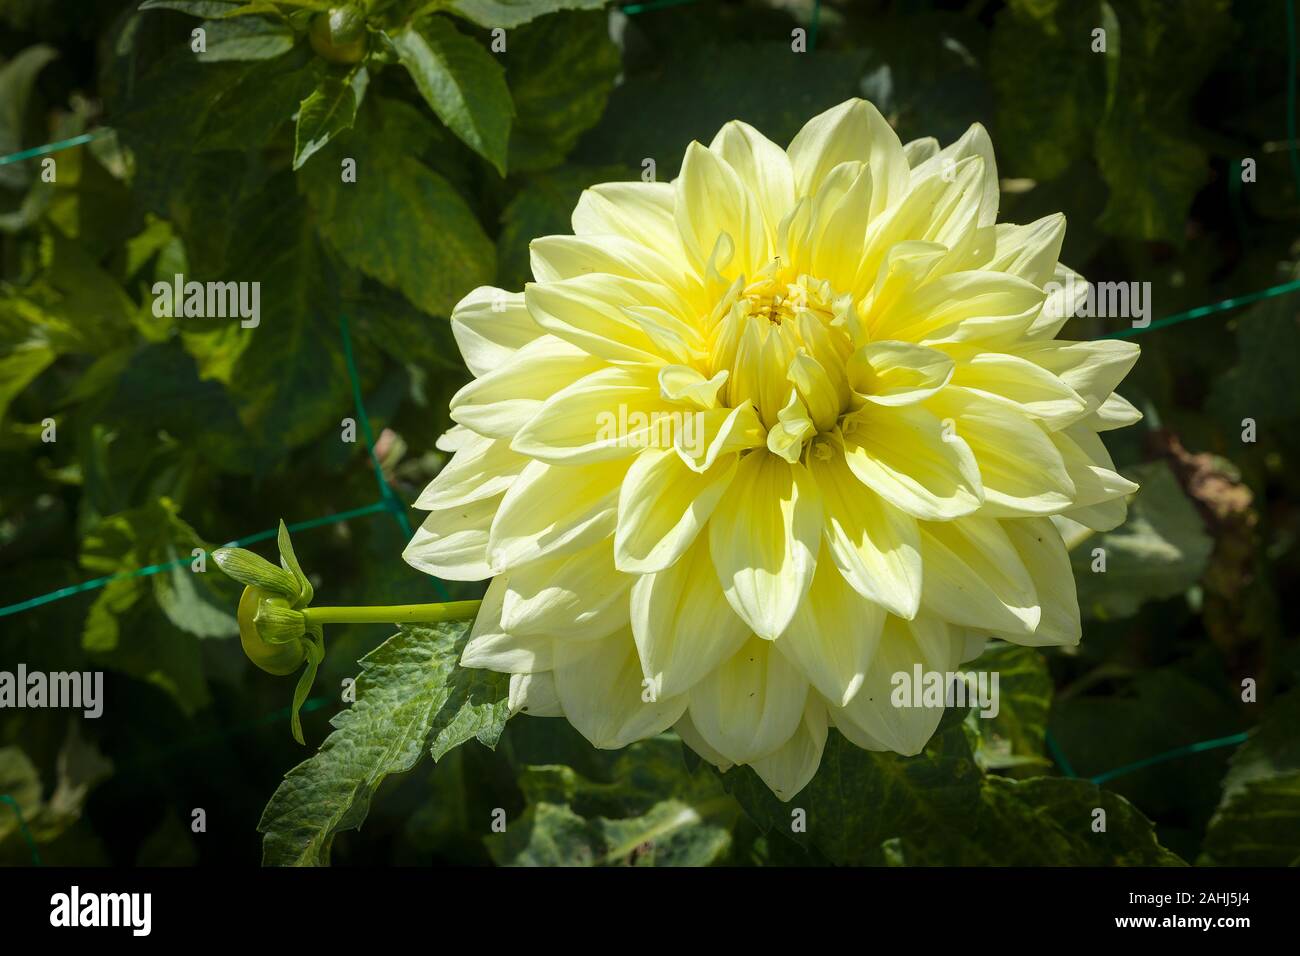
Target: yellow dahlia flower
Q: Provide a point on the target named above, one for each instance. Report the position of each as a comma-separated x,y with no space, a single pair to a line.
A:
757,440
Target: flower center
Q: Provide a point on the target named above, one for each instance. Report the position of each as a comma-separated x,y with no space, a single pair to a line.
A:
784,343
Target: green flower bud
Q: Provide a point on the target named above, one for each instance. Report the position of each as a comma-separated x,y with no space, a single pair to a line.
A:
271,632
256,572
339,35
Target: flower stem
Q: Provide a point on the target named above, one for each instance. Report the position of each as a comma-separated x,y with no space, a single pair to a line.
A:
394,614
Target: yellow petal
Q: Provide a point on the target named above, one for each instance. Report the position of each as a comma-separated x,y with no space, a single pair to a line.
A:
974,142
724,431
1092,369
764,537
973,576
453,543
908,457
642,212
833,636
1030,387
1031,251
555,509
662,506
601,689
683,625
750,704
898,373
762,166
871,719
1021,470
611,413
490,326
590,312
567,257
501,401
790,768
491,647
1043,553
875,546
480,468
578,595
793,428
712,200
534,695
854,131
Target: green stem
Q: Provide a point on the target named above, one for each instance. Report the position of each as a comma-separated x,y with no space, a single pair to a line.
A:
394,614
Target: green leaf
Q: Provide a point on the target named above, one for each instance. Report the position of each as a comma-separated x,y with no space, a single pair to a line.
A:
19,367
400,222
697,88
1016,735
1046,117
561,70
245,112
653,813
1144,151
513,13
937,808
17,76
1258,819
291,378
1262,383
1160,551
1153,177
195,8
245,38
411,688
331,109
543,207
197,602
463,83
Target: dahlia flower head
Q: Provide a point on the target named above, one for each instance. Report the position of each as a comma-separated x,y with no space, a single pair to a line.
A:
756,440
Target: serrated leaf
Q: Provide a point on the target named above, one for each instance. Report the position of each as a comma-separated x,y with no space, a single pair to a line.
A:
400,222
245,38
463,83
331,109
1258,820
291,379
939,808
195,8
410,688
543,207
561,70
1160,551
654,812
1015,735
1046,117
154,534
513,13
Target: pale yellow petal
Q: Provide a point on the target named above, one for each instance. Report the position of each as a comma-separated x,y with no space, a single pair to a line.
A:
764,537
662,506
490,326
974,576
604,696
911,459
578,595
750,704
682,623
555,509
791,767
832,639
875,546
612,413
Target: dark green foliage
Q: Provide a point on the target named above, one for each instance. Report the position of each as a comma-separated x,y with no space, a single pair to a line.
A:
386,185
